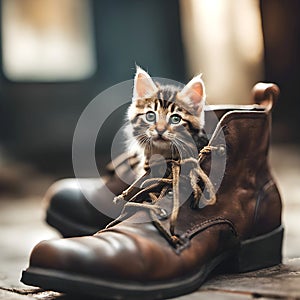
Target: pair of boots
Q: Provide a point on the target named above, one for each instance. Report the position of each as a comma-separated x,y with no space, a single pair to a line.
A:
155,253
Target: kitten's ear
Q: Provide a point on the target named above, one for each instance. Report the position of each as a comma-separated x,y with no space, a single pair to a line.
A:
194,93
143,85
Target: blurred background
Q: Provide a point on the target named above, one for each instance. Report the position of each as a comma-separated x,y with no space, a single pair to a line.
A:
57,55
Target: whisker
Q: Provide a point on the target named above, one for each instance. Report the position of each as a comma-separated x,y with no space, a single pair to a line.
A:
182,148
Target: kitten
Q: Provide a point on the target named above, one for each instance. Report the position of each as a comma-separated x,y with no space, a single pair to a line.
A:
165,120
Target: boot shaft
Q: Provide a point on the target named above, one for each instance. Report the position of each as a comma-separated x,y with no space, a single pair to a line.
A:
239,169
248,194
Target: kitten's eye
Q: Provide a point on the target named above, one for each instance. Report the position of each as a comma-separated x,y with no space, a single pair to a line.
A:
150,116
175,119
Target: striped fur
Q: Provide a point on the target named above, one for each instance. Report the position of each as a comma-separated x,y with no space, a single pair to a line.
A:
164,136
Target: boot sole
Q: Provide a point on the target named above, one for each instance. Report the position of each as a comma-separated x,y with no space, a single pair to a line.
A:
67,227
257,253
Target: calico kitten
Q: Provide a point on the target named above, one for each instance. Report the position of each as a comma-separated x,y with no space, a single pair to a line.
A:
165,120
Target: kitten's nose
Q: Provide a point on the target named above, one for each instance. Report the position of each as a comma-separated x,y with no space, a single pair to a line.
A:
160,131
160,127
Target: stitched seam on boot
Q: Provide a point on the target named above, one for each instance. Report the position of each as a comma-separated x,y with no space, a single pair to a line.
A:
201,227
208,223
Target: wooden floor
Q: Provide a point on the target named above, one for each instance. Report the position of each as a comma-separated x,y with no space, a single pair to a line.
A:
22,226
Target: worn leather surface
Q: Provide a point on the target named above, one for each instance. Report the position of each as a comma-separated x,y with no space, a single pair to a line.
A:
132,252
84,201
248,205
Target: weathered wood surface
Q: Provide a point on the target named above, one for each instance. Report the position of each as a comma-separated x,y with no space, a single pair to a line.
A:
279,281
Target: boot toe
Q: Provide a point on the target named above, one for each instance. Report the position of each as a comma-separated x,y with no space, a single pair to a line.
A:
127,261
69,211
118,255
65,194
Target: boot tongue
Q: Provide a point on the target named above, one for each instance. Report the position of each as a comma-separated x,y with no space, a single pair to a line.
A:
158,201
140,216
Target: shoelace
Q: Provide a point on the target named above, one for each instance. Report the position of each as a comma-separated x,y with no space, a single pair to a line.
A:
155,189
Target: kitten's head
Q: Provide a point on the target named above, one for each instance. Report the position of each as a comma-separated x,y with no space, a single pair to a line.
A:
165,116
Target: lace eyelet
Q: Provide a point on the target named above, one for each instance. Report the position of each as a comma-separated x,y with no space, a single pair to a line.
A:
169,194
163,214
221,150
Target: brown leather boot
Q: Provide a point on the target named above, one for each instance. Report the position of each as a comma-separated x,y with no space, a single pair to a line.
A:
163,250
67,207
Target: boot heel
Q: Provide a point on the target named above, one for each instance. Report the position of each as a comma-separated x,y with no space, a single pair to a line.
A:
260,252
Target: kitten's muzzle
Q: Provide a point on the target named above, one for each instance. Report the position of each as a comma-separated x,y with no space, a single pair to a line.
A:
160,132
160,137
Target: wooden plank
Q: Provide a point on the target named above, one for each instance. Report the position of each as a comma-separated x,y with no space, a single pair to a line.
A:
21,228
278,281
215,295
7,295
